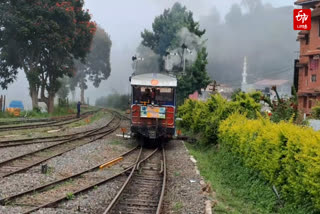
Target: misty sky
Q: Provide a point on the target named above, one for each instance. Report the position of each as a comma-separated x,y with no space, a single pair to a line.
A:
124,20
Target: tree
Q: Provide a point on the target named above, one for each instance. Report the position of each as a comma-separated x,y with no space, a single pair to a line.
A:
166,27
64,90
166,36
43,37
97,66
195,79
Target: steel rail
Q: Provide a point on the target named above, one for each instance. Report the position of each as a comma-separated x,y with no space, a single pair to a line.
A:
51,139
22,142
86,188
28,141
103,134
3,201
120,192
164,182
49,124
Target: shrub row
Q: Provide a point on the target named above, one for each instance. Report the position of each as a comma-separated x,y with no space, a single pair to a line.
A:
287,155
203,118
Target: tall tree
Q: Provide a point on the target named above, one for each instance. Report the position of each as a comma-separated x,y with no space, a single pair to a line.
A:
195,79
166,36
166,27
97,66
64,90
43,37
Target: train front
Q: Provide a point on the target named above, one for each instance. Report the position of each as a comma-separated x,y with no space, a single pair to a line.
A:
153,105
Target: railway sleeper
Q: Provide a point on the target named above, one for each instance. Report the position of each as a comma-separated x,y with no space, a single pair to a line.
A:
139,204
138,208
132,200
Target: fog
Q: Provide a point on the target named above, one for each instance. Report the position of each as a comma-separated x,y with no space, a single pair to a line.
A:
124,20
259,31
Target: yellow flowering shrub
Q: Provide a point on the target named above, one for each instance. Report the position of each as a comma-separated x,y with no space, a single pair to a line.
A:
287,155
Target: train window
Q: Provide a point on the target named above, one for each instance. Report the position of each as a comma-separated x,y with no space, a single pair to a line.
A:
159,96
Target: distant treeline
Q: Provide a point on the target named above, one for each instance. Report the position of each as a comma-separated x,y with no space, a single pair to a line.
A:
117,101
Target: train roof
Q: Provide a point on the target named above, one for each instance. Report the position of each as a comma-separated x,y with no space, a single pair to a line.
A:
154,80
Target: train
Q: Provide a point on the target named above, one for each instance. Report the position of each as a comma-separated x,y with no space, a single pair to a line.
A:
153,106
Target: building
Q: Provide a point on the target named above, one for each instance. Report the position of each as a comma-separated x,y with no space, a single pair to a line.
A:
265,85
223,89
307,72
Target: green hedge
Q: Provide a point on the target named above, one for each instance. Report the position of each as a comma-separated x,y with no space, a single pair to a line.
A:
203,118
287,155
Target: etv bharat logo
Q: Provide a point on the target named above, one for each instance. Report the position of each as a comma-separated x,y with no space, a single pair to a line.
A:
302,19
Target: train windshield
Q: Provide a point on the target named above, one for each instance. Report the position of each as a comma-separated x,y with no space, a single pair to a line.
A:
148,95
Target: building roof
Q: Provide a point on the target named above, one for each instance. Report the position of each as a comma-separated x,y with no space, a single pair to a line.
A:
154,80
302,2
271,82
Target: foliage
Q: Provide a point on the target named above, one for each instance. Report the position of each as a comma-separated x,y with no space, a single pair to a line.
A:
64,90
97,66
286,155
70,196
43,38
238,189
166,27
249,103
316,111
203,118
195,79
117,101
165,36
6,115
282,109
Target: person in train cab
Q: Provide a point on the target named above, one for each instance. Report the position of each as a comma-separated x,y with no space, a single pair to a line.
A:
153,95
147,95
78,109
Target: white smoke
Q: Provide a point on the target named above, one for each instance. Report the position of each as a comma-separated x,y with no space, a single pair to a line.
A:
147,61
191,43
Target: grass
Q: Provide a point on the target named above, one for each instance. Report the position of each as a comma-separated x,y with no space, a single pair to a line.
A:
115,142
177,207
90,120
238,189
70,196
177,174
58,111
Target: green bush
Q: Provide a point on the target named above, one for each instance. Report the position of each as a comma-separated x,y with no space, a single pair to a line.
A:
203,118
316,112
239,189
287,155
6,115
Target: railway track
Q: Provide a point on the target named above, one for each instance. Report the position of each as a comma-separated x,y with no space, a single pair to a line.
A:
20,121
28,160
143,191
53,123
50,139
37,198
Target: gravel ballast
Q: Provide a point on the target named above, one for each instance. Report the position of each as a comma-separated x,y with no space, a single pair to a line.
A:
183,191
